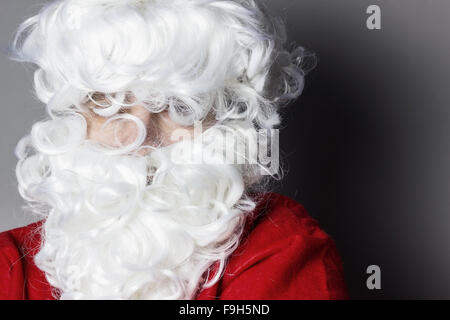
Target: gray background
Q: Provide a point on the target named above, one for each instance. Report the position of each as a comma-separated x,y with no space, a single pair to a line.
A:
367,145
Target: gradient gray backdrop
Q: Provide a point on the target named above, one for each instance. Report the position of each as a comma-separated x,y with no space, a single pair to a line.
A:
367,145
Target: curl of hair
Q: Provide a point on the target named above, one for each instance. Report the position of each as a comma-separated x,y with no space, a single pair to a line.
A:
186,56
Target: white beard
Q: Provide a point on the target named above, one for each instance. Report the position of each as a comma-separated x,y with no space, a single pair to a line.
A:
133,227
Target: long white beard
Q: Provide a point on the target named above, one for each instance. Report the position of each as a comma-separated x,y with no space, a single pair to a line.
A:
133,227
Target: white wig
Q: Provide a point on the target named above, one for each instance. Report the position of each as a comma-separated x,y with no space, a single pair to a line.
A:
187,56
122,226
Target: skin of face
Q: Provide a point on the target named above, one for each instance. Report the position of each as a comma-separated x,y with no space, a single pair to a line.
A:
117,133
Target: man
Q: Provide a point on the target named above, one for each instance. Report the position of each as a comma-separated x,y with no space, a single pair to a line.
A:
147,172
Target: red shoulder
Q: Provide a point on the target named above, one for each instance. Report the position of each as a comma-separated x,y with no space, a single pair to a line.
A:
284,255
27,238
284,217
17,248
11,268
279,219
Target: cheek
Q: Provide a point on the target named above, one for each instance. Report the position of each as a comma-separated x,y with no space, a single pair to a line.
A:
161,129
113,134
170,131
116,133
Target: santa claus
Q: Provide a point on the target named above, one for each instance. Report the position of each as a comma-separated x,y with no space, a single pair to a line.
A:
146,175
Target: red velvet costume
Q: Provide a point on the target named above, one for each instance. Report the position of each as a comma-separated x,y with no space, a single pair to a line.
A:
283,255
